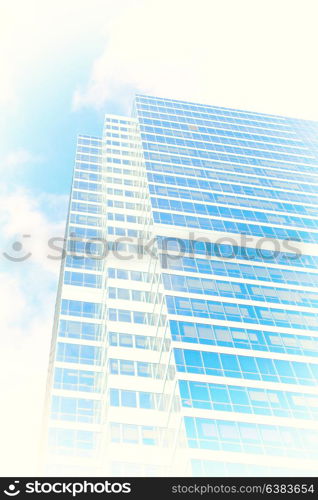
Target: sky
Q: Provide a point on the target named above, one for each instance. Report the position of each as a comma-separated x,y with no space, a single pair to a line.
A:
63,65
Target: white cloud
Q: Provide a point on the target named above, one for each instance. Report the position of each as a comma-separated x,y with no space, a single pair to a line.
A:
24,220
28,291
18,157
35,32
247,54
14,161
256,55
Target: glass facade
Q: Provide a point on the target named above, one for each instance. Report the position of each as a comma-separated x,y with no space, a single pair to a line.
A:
185,339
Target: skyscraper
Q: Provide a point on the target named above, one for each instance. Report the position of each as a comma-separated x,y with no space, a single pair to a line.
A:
185,339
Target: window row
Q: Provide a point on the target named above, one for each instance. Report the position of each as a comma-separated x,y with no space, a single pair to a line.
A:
125,218
88,248
137,369
82,279
225,199
233,213
82,233
120,192
215,151
227,187
117,135
97,178
251,438
147,124
246,313
81,262
84,196
88,149
86,207
207,134
212,117
126,274
99,249
89,139
246,367
92,167
136,434
121,144
125,171
139,317
89,158
77,380
279,255
122,161
118,121
127,294
182,108
138,341
248,400
85,220
80,330
238,270
75,409
87,186
239,290
121,152
243,338
126,205
218,143
94,177
291,163
72,442
80,308
235,227
210,468
121,231
135,399
78,353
